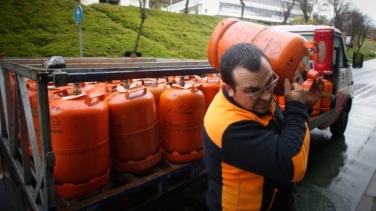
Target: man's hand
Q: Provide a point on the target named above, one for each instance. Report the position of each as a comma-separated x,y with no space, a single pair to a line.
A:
314,93
294,92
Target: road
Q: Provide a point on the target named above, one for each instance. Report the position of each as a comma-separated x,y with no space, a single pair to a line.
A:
339,170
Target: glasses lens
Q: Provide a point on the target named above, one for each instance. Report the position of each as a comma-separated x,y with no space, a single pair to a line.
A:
272,85
255,95
269,88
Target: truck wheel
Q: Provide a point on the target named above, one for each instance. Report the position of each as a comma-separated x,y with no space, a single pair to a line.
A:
338,128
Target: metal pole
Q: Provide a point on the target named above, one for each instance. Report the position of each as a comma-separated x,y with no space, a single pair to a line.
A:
80,37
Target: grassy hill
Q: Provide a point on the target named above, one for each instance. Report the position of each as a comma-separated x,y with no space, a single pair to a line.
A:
43,28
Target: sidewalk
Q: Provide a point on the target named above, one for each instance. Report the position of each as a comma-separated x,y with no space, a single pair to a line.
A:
368,201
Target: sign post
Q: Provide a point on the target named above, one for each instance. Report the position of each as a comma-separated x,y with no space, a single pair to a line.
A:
78,16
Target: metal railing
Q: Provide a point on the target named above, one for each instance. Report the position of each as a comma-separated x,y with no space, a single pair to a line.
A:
34,173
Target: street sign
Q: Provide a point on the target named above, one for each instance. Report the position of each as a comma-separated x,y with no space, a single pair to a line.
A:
78,13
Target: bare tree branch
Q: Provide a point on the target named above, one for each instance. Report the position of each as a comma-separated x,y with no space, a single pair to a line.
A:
186,11
286,9
340,7
306,6
143,17
243,5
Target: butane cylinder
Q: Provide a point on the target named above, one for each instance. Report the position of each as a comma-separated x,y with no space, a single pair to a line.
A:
316,107
134,131
285,50
80,141
326,99
211,84
281,102
181,113
156,86
53,93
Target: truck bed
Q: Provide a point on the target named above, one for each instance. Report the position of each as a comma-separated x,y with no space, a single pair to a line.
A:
164,186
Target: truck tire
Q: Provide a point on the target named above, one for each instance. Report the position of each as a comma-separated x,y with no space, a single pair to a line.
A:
338,127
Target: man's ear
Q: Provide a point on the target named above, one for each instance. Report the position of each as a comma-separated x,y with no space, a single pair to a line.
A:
228,88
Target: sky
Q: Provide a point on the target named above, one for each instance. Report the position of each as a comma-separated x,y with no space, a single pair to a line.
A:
367,7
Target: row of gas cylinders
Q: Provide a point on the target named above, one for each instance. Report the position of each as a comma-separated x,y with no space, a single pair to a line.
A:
123,126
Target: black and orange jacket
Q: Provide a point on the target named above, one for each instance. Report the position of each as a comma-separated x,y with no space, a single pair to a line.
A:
253,162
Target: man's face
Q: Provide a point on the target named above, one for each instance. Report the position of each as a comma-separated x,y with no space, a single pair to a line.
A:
254,90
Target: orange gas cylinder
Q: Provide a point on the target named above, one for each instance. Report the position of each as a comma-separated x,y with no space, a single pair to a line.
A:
53,93
32,93
326,98
187,79
316,108
74,88
12,88
241,31
80,136
216,36
315,111
134,131
286,51
276,98
156,86
104,88
281,102
307,85
211,84
181,113
86,86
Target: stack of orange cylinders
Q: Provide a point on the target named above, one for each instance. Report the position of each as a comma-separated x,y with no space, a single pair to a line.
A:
80,135
134,130
181,113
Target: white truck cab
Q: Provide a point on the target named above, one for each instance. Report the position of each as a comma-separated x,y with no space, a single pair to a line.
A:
341,76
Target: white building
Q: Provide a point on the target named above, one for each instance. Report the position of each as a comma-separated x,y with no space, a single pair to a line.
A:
267,11
117,2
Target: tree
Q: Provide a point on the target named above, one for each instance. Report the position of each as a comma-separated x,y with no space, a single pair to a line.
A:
286,10
362,37
186,11
157,4
153,3
243,5
356,26
340,7
143,17
306,6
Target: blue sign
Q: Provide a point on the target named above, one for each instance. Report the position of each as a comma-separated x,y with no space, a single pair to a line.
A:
78,13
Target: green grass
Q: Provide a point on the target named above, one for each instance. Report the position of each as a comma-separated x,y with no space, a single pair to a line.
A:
44,28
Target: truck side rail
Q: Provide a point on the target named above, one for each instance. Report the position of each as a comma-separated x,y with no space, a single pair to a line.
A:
34,174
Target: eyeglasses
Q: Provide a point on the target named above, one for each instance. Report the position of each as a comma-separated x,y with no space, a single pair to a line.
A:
269,87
